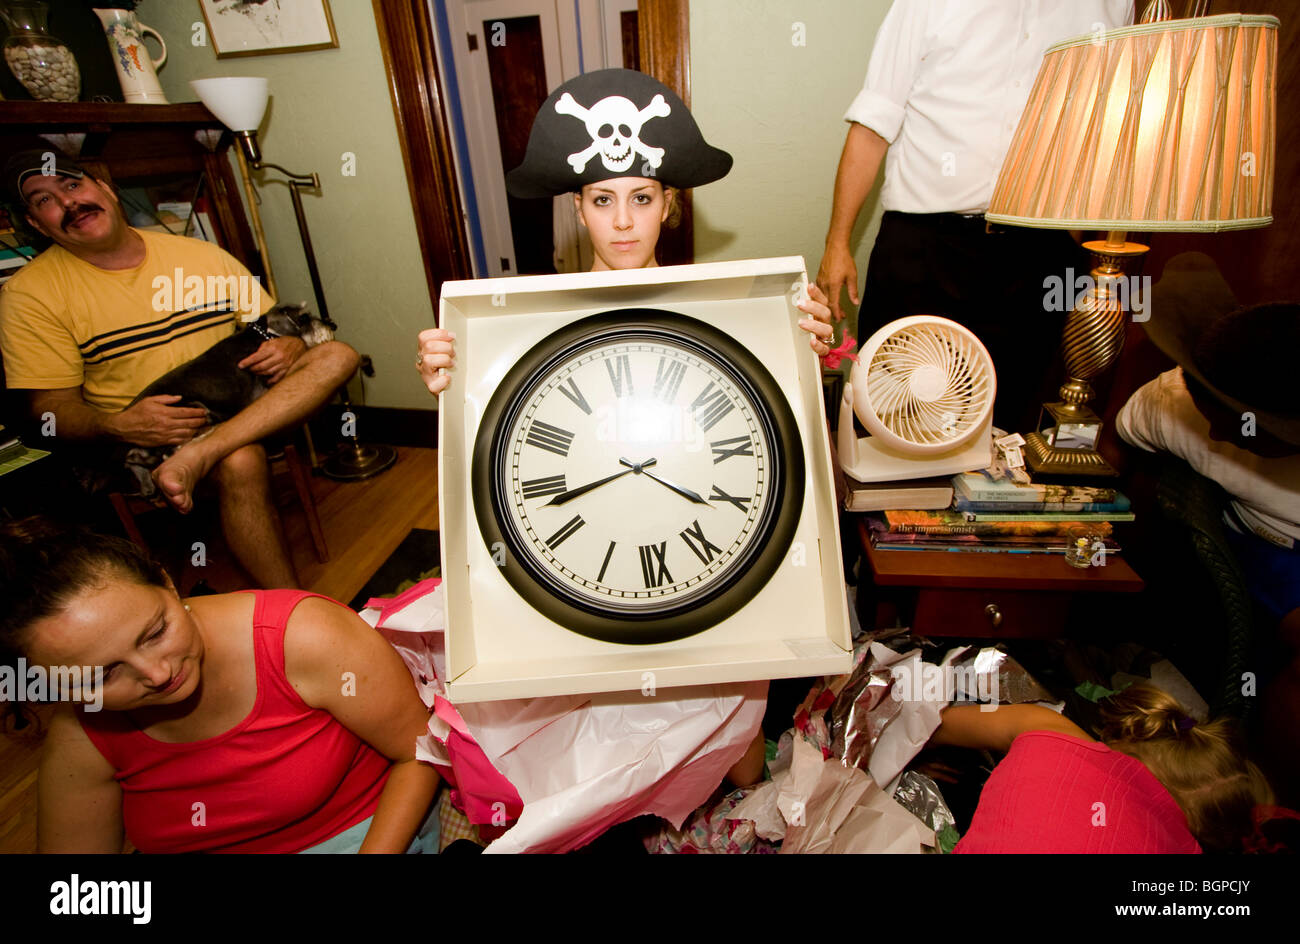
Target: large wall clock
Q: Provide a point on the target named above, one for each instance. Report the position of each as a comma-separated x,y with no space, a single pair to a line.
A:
643,471
636,491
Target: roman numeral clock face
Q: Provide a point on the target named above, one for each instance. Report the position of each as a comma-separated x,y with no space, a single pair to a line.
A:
643,471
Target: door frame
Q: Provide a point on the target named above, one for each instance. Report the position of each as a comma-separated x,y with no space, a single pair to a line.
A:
420,109
664,35
406,37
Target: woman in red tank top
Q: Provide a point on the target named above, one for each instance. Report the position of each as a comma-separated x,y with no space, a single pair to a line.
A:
270,721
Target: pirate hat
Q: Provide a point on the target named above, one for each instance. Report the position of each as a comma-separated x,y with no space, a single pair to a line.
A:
1243,357
614,123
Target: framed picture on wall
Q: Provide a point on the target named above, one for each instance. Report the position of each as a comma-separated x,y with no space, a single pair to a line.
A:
266,27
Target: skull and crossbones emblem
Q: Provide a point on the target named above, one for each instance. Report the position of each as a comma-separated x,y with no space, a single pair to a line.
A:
614,124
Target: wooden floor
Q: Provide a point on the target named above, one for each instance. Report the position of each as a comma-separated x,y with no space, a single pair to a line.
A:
363,524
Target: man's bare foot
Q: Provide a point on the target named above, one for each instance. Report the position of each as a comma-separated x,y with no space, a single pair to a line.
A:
177,478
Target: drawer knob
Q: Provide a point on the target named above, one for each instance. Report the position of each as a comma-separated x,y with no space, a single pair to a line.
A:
994,614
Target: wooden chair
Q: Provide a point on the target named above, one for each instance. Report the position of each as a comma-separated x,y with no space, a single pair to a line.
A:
128,507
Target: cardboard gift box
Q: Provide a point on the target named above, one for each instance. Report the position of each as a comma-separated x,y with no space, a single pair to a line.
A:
792,619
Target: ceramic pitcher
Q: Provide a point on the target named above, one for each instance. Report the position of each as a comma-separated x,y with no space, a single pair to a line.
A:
135,68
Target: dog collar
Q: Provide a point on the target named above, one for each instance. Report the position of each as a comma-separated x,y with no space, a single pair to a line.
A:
260,327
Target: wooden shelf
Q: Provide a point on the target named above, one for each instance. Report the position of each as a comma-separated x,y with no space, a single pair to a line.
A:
995,571
69,115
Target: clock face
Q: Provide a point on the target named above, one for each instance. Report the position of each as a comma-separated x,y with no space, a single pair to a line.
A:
643,473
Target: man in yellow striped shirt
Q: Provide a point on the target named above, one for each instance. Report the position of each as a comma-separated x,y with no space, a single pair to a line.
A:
108,309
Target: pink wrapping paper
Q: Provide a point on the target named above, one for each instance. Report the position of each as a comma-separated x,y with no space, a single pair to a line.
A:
568,768
478,788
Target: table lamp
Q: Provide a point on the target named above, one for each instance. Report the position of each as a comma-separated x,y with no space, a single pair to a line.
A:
239,102
1165,126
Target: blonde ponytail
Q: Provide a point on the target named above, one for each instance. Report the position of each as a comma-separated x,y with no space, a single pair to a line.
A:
1142,712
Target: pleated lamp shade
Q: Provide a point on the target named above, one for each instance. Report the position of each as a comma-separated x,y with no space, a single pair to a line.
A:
1165,126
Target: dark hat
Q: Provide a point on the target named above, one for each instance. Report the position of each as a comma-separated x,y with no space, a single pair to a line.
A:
614,123
33,162
1243,357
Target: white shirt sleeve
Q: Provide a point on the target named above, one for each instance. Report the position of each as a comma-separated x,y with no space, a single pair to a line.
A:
1141,421
1265,492
895,59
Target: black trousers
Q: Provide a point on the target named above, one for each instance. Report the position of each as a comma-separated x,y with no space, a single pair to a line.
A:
992,283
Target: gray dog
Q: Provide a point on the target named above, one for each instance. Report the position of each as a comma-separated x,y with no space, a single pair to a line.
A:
213,382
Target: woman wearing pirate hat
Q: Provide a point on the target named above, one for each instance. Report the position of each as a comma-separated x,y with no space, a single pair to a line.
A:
623,144
623,154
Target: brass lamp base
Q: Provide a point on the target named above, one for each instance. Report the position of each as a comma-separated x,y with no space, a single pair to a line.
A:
359,462
1047,459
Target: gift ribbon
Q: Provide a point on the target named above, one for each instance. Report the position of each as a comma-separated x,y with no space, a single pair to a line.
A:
835,356
389,606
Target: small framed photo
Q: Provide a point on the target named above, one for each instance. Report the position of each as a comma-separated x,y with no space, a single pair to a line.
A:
266,27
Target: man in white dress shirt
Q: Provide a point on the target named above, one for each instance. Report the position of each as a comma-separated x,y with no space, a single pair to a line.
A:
945,88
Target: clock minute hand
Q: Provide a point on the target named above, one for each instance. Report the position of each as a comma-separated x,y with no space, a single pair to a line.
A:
680,490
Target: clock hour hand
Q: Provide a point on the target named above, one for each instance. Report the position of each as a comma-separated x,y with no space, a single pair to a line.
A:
584,489
680,490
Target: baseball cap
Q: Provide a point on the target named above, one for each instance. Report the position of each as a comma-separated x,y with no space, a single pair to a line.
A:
36,161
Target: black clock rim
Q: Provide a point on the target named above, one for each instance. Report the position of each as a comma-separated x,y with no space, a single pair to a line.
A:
775,531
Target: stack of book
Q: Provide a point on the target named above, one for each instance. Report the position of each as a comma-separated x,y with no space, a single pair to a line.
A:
13,454
14,253
13,259
1007,516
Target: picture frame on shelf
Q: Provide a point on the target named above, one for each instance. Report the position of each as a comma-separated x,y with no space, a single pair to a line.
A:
239,28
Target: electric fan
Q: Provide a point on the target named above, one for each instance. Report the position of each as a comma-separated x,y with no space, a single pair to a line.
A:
923,387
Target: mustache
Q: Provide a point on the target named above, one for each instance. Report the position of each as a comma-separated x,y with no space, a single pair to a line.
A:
73,212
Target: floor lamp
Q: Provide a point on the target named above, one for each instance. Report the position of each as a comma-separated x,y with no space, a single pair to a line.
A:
1166,126
239,103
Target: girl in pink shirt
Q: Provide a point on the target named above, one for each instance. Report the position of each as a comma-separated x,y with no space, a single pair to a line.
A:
1156,782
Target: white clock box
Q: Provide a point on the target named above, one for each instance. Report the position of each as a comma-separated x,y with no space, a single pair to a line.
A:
498,645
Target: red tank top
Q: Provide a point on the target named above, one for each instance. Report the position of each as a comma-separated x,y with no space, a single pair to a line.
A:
287,777
1056,793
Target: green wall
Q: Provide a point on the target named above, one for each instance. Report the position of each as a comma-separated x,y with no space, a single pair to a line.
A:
323,105
778,107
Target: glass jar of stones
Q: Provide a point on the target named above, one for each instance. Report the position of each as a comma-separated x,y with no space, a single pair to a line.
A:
41,62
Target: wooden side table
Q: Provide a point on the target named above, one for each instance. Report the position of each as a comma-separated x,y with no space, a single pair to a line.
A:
975,594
